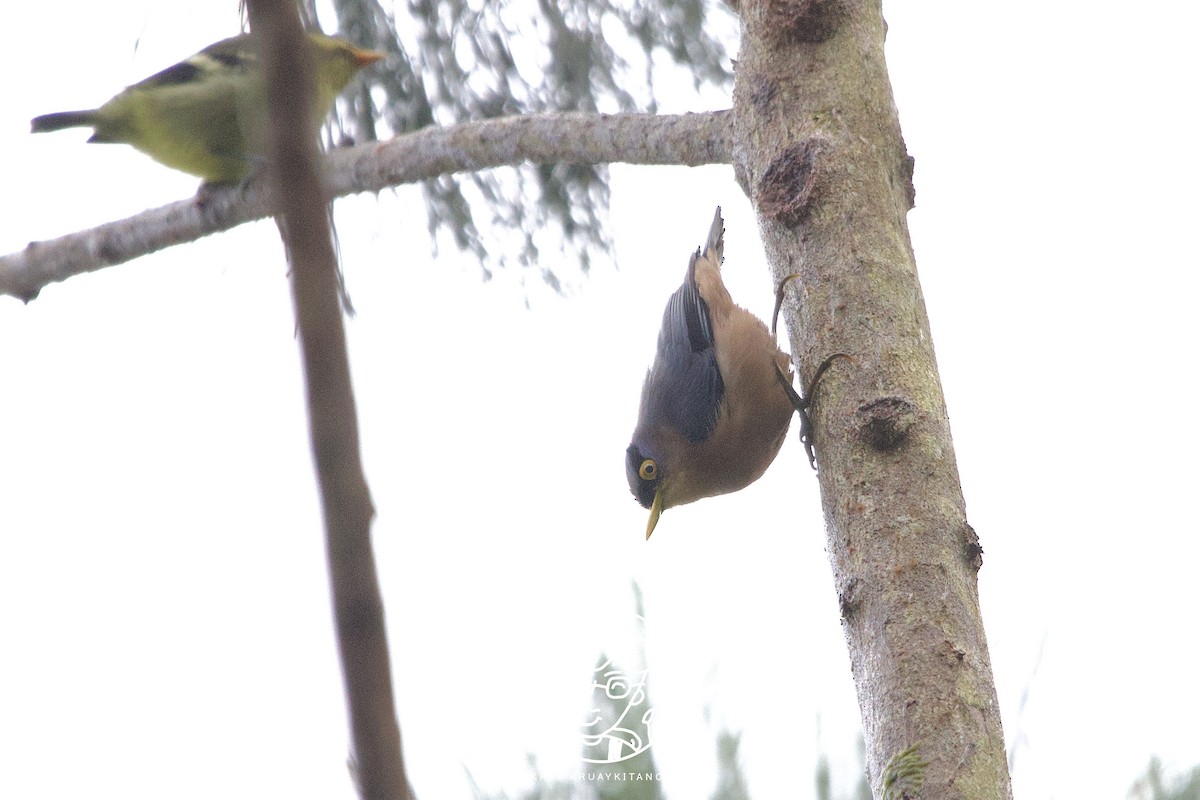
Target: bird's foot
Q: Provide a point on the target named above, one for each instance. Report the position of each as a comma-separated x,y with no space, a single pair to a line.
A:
208,192
803,403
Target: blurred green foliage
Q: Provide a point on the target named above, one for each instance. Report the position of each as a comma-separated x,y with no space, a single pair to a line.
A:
459,60
1155,785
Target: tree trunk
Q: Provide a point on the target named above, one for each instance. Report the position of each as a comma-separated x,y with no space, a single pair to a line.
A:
817,147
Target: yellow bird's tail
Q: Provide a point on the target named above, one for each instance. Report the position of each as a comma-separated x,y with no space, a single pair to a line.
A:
63,119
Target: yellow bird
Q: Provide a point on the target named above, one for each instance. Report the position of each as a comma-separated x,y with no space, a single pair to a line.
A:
207,114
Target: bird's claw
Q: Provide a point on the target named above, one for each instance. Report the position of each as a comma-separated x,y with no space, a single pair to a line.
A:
779,299
803,403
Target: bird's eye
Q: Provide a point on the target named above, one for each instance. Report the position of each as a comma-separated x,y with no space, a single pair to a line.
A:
648,471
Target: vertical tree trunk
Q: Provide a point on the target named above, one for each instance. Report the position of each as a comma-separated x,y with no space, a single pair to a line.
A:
817,147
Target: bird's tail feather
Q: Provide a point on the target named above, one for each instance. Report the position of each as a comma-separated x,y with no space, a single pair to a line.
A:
714,248
63,119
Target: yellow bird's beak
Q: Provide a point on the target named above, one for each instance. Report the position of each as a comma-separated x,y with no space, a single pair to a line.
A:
656,509
365,58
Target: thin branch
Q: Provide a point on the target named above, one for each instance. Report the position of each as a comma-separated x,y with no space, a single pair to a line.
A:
333,423
573,138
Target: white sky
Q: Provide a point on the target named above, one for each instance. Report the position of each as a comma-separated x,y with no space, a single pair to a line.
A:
164,625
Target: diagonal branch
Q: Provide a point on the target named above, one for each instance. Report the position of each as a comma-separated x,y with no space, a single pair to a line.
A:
358,612
820,151
570,137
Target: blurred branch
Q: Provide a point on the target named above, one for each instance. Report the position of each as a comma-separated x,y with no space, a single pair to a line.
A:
570,138
333,424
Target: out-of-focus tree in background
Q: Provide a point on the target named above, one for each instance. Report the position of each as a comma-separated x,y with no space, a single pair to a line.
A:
450,62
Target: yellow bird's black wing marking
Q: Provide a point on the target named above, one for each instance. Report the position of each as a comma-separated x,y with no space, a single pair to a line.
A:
232,53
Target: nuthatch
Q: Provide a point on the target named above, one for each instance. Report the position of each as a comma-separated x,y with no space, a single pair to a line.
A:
717,402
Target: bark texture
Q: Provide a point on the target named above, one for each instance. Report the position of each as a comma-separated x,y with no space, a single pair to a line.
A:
818,148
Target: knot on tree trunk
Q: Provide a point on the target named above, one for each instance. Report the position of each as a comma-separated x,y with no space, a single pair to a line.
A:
972,549
791,183
807,20
884,424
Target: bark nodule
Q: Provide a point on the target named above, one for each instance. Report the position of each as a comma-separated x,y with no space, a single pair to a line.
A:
886,422
808,20
788,186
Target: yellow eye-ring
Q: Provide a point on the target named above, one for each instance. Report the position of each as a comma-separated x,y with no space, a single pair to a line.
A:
648,471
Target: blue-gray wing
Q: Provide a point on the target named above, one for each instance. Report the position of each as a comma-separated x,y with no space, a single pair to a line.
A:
684,387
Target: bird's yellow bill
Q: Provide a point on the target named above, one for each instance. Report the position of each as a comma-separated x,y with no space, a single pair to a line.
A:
656,509
364,58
